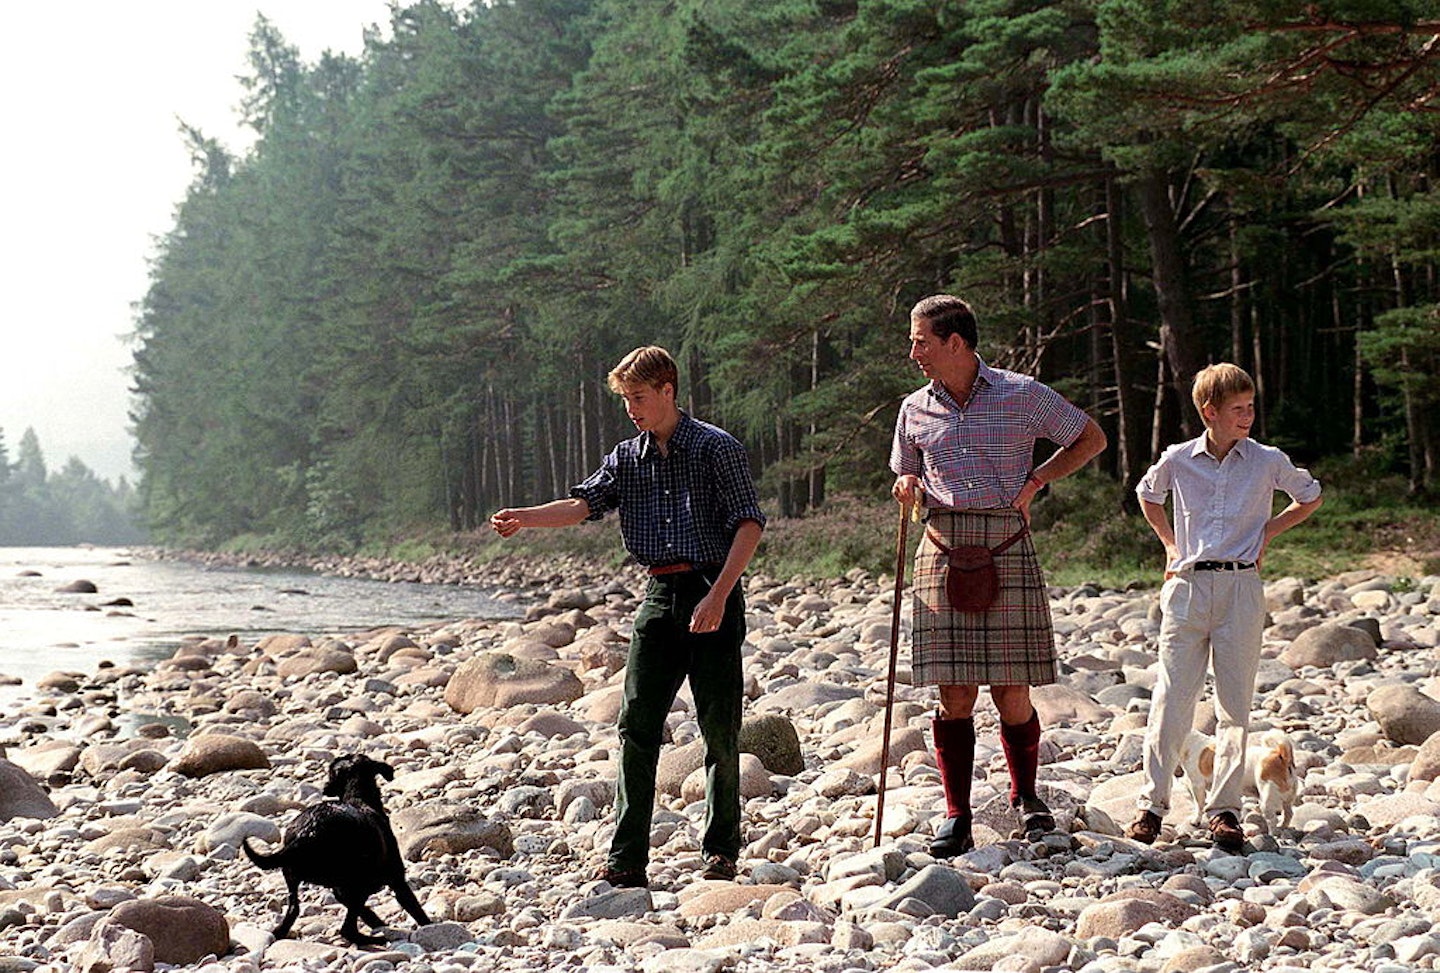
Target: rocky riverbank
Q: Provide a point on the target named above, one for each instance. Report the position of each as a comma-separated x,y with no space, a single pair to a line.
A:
503,742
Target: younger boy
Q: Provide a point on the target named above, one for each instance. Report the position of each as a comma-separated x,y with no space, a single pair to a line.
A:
690,514
1223,485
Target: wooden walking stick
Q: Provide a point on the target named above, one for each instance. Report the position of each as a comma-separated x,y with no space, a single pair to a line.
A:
905,510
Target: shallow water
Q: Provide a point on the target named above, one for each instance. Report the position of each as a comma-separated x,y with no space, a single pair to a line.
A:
43,630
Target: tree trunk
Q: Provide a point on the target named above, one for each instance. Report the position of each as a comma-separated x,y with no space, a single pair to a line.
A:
1157,416
1357,382
1258,359
782,453
1412,428
815,492
1237,302
1178,339
449,473
557,479
582,457
469,499
508,410
486,436
1125,356
1413,424
1044,230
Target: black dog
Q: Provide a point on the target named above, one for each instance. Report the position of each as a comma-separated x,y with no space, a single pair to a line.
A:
346,846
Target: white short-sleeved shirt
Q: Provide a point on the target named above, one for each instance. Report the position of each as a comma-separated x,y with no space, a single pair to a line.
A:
1221,506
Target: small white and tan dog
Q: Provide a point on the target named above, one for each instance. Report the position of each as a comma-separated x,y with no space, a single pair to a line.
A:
1270,773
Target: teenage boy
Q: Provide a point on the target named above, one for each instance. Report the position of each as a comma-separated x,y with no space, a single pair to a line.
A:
690,515
1223,485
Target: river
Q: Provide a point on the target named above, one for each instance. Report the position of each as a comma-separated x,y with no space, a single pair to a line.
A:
43,629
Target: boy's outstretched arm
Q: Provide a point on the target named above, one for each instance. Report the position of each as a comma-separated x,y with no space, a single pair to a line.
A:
556,513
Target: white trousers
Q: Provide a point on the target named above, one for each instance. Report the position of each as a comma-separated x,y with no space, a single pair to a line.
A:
1212,620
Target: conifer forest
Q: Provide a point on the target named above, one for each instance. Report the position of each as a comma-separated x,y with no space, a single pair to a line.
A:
399,305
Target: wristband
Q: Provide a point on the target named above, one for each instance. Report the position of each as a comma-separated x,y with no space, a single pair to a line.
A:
1039,484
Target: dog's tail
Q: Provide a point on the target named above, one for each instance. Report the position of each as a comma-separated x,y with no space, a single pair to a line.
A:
266,862
1280,743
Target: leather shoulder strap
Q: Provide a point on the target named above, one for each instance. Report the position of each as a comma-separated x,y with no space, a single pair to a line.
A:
934,536
1010,541
1000,548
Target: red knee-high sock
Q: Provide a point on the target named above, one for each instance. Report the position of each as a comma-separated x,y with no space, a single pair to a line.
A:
1021,742
955,753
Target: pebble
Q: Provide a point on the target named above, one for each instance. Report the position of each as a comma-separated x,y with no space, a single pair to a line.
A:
512,804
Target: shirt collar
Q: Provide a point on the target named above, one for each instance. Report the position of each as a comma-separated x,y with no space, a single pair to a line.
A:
685,432
986,376
1241,447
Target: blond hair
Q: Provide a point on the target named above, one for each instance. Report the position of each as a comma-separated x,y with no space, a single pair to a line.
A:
1216,383
651,365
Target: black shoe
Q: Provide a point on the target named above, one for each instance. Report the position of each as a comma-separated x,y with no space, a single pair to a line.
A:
1226,833
719,868
623,878
1035,817
952,838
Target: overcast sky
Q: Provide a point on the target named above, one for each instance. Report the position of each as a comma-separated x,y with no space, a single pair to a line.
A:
93,167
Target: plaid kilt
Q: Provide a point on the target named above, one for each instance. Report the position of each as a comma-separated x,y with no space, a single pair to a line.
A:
1012,643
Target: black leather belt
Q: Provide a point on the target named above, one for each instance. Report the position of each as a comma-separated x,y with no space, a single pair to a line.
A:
1223,565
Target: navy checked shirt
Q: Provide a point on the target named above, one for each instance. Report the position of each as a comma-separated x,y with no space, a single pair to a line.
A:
682,507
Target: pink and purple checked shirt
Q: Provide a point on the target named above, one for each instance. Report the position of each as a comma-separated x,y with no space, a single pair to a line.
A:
976,456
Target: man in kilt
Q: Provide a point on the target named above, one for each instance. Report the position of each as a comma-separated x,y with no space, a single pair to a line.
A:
963,450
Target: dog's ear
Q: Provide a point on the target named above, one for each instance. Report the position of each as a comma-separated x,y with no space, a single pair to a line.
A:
373,767
342,768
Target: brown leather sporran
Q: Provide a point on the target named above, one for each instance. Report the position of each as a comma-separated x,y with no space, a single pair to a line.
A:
972,581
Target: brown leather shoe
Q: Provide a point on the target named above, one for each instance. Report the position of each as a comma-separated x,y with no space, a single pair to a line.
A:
1145,829
720,868
1226,833
622,878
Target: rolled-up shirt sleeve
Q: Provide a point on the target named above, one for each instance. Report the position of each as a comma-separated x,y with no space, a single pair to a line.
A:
736,486
1154,486
1296,481
600,490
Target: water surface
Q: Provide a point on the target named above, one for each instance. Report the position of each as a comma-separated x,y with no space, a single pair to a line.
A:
43,629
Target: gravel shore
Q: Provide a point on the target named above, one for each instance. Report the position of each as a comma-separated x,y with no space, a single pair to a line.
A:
125,794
